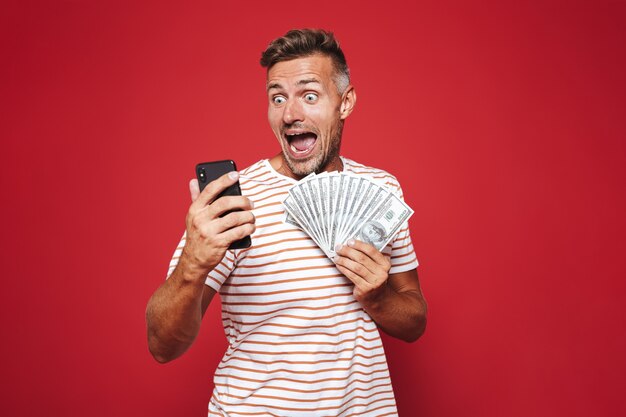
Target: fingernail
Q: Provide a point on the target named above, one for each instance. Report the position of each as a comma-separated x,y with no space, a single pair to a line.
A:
351,242
338,247
251,203
335,258
233,175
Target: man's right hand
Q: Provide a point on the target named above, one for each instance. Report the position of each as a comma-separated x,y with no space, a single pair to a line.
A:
208,234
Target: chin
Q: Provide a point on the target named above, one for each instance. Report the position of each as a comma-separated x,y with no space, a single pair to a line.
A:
304,168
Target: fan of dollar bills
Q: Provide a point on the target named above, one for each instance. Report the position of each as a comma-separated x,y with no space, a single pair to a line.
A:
334,207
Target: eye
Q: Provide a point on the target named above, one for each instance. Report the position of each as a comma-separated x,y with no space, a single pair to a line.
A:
279,100
310,97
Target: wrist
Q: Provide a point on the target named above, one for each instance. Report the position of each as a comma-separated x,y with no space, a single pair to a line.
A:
190,269
376,300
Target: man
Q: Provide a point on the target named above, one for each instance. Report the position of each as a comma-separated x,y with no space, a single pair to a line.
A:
302,329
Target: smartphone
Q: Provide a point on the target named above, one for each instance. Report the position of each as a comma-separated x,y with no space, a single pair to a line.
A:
210,171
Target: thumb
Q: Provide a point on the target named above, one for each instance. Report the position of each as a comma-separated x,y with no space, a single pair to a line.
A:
194,189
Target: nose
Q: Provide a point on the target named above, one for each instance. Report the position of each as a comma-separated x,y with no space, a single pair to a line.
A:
293,112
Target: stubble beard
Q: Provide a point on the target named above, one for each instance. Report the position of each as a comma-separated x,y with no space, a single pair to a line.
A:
317,162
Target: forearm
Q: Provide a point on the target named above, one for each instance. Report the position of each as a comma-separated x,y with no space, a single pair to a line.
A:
174,313
399,314
175,310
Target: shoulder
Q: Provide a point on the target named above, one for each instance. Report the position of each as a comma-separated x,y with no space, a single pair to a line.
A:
378,175
257,173
260,177
254,170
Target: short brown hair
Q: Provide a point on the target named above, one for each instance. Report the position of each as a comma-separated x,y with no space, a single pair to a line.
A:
299,43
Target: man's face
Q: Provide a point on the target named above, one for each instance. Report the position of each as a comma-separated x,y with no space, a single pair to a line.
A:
306,113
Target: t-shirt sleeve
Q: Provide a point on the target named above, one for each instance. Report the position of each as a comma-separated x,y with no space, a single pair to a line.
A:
400,249
217,276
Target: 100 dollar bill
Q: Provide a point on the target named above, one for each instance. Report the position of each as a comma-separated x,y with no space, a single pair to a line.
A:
335,207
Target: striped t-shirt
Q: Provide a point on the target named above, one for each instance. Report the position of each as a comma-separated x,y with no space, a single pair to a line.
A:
299,343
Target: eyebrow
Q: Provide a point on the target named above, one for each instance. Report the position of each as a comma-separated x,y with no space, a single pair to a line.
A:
307,81
274,85
299,83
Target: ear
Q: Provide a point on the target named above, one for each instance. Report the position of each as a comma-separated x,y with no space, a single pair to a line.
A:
348,100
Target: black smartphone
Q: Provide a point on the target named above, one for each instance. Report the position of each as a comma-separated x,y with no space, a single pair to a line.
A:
210,171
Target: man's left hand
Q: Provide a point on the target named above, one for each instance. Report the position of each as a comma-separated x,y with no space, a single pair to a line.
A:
366,267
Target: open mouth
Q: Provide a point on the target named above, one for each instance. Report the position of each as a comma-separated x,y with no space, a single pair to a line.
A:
300,142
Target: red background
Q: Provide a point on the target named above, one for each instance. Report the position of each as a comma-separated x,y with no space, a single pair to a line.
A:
505,123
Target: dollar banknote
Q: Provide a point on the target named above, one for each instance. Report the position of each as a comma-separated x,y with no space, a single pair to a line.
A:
334,207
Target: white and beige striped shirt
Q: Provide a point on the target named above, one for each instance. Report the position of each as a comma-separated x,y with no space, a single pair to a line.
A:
299,343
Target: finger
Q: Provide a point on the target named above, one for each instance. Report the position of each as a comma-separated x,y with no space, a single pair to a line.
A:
229,203
354,267
214,188
237,233
194,189
368,249
356,280
234,219
359,258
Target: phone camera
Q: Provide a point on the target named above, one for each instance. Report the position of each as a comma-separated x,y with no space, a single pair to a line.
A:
202,175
